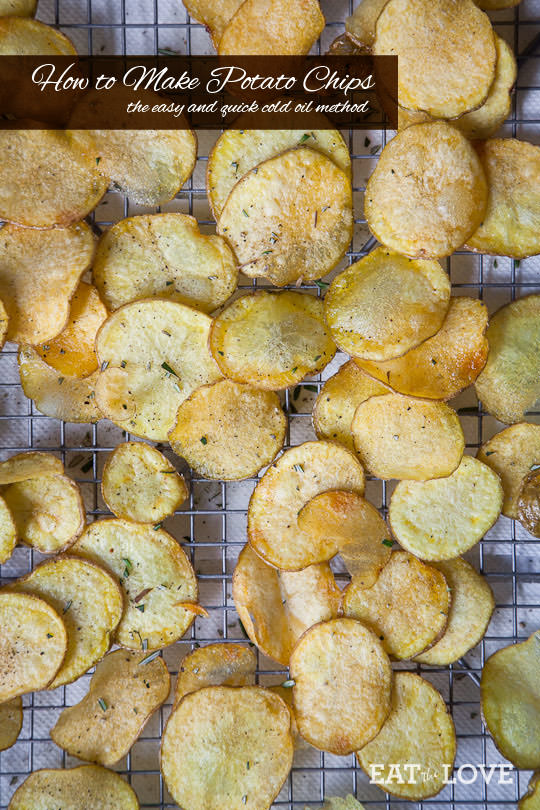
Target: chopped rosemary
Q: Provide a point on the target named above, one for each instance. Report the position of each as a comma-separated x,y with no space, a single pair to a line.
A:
102,704
288,684
128,566
149,658
388,543
204,440
168,369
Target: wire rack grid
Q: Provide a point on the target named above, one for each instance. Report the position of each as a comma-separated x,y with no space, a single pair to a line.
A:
211,525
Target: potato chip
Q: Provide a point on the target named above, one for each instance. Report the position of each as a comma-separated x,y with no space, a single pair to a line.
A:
445,364
227,747
528,503
161,347
407,607
4,318
531,800
510,695
11,720
447,55
362,23
239,150
428,192
289,218
215,665
512,454
90,602
342,683
385,304
76,789
8,534
215,16
276,607
18,8
164,255
271,339
33,644
413,754
39,273
21,36
228,430
33,464
124,692
140,484
403,437
265,27
294,479
155,575
511,225
470,611
443,518
509,385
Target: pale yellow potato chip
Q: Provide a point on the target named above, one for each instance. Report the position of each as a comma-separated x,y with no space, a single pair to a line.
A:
403,437
441,519
155,575
76,788
90,602
446,363
362,23
420,733
215,16
11,720
509,385
140,484
124,693
276,607
39,273
18,8
294,479
33,642
512,454
428,192
21,36
8,533
228,430
266,27
227,747
114,393
528,503
215,665
510,695
342,683
289,218
4,319
531,800
33,464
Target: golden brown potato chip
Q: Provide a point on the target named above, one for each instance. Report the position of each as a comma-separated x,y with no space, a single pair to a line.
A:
39,273
215,665
428,192
90,602
140,484
342,682
509,385
265,27
215,16
11,720
528,503
18,8
276,607
271,339
227,747
418,737
124,692
8,533
290,218
510,694
511,224
443,518
20,36
385,304
362,23
512,454
531,800
294,479
155,575
4,319
228,430
445,364
76,789
34,464
403,437
33,644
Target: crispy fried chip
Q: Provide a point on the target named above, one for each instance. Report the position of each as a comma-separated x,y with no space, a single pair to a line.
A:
445,364
123,694
385,304
511,225
215,16
161,347
509,385
33,642
272,27
140,484
420,731
90,602
227,747
531,800
470,611
362,23
403,437
271,339
155,575
164,255
294,479
428,192
11,720
19,35
407,607
75,789
215,665
443,518
290,218
276,607
228,430
342,682
528,503
510,695
34,464
18,8
8,533
512,454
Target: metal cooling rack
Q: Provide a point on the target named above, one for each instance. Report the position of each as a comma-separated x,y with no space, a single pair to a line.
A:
211,525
